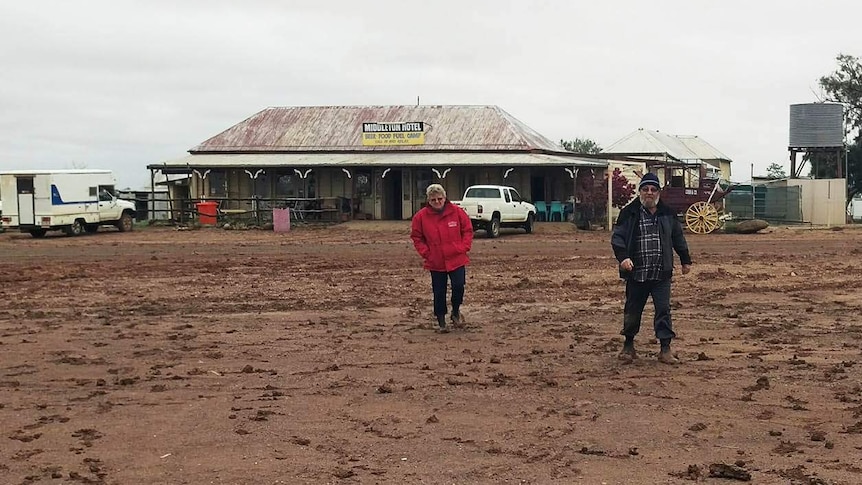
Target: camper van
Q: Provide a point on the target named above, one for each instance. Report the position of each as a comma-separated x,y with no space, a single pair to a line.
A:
72,201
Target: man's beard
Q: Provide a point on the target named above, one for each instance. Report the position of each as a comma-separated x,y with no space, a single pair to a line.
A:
649,204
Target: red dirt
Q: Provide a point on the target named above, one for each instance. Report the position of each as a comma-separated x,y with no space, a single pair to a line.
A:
212,356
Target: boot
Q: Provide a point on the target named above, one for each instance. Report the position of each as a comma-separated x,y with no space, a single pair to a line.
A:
665,356
628,354
441,324
457,319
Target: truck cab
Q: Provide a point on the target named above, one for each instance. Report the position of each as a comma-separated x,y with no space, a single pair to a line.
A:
491,207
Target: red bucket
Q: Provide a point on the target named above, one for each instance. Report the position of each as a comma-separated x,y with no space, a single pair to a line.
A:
207,212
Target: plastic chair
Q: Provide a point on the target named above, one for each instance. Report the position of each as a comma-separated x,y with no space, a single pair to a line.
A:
556,208
541,210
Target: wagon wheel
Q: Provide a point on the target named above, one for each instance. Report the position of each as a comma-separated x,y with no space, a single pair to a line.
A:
701,218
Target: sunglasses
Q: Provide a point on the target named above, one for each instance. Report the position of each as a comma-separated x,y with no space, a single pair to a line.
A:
437,199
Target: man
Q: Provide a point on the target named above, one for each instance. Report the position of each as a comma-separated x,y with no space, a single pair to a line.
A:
442,235
646,234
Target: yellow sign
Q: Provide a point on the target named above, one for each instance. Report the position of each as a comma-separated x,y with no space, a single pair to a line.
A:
377,134
376,139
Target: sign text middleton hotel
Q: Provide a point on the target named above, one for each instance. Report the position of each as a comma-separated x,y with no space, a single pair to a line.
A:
402,133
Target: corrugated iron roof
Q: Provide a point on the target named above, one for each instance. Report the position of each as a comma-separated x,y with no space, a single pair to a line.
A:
701,148
339,128
49,171
440,160
684,148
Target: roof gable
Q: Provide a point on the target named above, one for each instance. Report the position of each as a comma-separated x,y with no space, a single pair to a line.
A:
339,128
686,148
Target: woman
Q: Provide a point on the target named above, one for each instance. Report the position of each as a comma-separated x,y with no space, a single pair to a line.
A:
443,234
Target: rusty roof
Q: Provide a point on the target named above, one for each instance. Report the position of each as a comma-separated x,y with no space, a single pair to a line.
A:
339,129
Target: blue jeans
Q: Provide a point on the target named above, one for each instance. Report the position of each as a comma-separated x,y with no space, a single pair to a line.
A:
458,277
636,298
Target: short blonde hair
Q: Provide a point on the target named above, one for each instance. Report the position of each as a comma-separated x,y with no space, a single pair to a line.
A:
435,189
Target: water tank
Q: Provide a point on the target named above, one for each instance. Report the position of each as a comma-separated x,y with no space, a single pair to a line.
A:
816,125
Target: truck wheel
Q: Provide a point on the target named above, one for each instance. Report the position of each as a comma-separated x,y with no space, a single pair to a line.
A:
125,224
528,226
91,228
494,227
74,229
38,233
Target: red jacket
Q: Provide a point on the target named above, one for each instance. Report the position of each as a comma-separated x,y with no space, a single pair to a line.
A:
442,238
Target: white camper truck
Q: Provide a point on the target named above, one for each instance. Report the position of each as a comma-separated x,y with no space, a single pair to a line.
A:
73,201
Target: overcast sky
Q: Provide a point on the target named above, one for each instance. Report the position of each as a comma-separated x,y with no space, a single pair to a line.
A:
121,84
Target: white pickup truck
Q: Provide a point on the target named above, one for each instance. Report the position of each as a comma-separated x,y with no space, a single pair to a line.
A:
491,207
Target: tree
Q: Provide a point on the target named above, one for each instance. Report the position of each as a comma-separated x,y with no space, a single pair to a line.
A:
845,86
854,169
621,190
775,171
581,145
593,195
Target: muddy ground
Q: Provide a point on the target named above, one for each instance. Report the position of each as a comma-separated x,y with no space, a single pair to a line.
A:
248,357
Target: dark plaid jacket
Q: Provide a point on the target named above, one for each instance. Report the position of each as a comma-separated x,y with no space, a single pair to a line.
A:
624,238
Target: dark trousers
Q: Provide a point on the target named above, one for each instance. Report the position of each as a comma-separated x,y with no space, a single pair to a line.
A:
636,298
458,277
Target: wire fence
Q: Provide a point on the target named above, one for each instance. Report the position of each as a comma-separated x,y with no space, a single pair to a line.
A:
773,204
